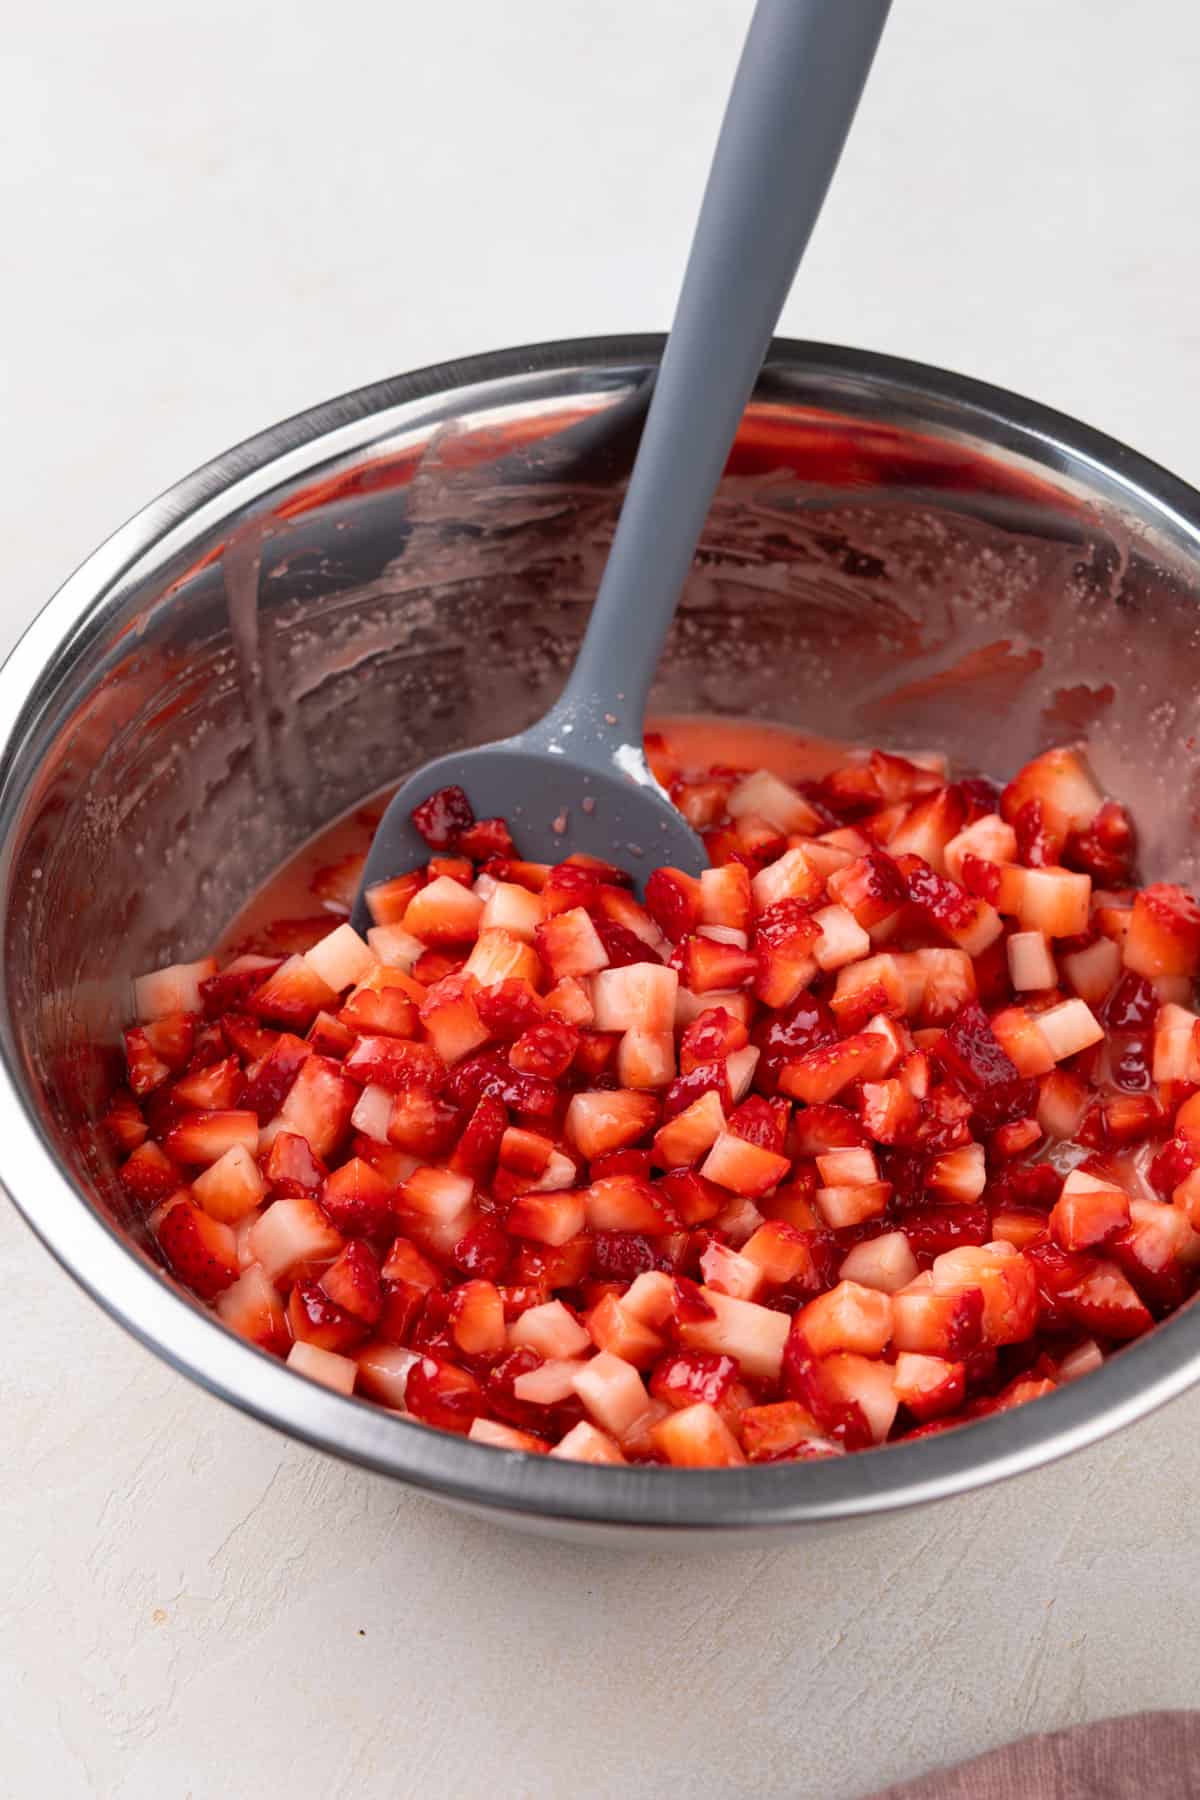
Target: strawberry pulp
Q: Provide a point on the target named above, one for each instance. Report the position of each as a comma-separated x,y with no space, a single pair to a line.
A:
888,1120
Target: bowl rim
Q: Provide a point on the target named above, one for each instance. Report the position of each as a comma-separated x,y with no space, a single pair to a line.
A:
122,1280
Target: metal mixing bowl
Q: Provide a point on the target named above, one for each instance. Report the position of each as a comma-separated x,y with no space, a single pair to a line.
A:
897,554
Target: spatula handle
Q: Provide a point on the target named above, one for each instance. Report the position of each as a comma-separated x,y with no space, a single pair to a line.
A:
794,96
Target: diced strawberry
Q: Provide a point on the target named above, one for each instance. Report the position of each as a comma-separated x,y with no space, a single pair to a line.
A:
1061,783
125,1122
889,1111
673,902
929,1386
1088,1212
780,1252
314,1318
341,959
506,1437
202,1138
439,1392
604,1120
388,901
293,995
251,1306
752,1334
146,1070
970,923
957,1175
615,1328
176,989
708,967
885,1262
823,1073
1007,1283
728,1272
569,945
329,1036
477,1319
386,1003
396,1065
871,888
230,1187
725,897
294,1240
513,910
201,1251
229,990
533,1099
442,816
319,1104
291,1169
1054,901
697,1437
270,1079
552,1330
548,1218
357,1199
450,1019
172,1039
1090,1291
1164,933
1106,848
216,1087
546,1050
848,1317
626,1203
478,1147
498,957
847,1204
509,1009
688,1378
1094,971
744,1167
443,912
383,1371
246,1037
935,1323
785,940
484,839
325,1366
1158,1250
584,1443
972,1056
776,1433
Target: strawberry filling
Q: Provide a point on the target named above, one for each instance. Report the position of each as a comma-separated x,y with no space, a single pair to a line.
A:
888,1120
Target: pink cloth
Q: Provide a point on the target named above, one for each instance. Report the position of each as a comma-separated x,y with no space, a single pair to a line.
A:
1147,1756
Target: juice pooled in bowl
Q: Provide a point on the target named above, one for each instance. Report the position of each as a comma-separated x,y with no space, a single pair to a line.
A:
889,1120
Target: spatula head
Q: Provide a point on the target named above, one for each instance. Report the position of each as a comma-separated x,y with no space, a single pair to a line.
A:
553,809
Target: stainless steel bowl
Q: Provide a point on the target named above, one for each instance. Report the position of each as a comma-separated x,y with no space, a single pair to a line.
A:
897,554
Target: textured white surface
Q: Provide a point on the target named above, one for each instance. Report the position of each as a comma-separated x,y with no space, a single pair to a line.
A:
213,215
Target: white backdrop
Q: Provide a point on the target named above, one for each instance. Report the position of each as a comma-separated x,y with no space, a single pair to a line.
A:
213,215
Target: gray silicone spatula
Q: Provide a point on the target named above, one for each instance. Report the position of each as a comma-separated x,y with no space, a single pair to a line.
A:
577,780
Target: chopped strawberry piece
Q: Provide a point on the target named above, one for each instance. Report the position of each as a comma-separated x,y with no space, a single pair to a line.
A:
546,1050
442,816
125,1122
201,1251
357,1199
291,1169
293,995
478,1146
438,1392
490,1076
